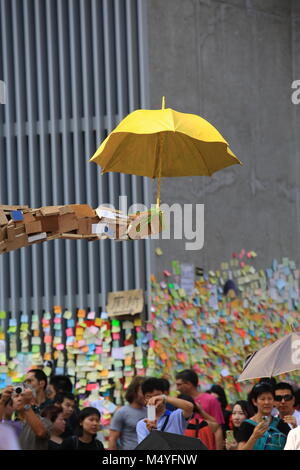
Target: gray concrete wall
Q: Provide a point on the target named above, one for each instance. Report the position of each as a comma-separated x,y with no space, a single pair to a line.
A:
233,63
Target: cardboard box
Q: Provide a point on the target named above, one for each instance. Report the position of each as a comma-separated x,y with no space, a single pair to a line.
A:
19,242
49,210
83,210
66,210
33,227
67,223
11,232
84,227
49,223
3,218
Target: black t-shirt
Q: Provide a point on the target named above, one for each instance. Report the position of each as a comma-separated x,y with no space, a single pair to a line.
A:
53,445
246,429
73,443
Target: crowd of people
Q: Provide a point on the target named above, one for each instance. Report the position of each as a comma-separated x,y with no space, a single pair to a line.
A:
37,415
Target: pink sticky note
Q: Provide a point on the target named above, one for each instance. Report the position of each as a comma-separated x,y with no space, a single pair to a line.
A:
69,332
60,347
138,329
149,327
82,342
47,339
90,387
167,273
57,320
152,343
116,336
99,350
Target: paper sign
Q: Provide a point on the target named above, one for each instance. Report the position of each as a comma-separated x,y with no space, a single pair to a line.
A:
125,302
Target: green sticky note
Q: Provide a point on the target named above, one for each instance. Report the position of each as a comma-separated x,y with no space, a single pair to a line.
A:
35,349
115,322
176,268
171,286
24,327
67,315
2,315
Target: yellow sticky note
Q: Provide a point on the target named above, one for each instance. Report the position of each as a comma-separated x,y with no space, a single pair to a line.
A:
158,251
98,322
137,322
67,315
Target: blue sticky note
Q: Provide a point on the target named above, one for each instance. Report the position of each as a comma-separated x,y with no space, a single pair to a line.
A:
24,319
17,215
12,322
104,315
70,323
59,371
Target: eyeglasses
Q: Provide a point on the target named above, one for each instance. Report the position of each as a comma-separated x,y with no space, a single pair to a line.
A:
283,397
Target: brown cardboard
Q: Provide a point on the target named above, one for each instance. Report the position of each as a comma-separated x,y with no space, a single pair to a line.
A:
11,233
84,227
125,302
49,210
83,210
33,227
66,210
19,229
49,223
18,242
28,217
3,218
67,223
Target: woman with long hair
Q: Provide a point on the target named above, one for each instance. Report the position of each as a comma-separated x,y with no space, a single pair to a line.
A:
55,415
240,412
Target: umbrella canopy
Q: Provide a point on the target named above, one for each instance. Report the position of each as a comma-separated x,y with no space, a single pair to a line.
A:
164,142
275,359
158,440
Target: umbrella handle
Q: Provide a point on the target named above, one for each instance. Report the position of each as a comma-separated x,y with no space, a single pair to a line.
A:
159,170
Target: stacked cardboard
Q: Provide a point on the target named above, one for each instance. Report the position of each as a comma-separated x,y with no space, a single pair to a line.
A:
21,226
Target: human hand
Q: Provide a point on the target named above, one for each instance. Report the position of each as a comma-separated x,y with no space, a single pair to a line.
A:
150,425
156,401
233,445
260,429
6,394
290,419
27,396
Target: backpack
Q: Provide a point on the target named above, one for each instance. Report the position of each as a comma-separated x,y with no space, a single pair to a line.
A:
273,439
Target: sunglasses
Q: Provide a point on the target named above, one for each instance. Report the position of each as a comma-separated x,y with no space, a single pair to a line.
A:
283,397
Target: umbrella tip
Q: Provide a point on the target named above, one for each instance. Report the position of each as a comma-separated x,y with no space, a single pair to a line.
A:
163,102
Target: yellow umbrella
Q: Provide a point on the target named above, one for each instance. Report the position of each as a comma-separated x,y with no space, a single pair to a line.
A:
164,142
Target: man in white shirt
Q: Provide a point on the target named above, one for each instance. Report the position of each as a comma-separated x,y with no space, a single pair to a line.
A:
293,439
285,403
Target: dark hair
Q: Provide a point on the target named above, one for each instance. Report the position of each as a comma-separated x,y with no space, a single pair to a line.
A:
85,413
218,390
297,397
190,399
39,375
61,383
268,380
247,410
133,387
245,407
257,390
284,386
188,375
151,384
165,384
51,412
59,398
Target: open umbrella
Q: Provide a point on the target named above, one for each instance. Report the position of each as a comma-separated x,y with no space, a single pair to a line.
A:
164,142
275,359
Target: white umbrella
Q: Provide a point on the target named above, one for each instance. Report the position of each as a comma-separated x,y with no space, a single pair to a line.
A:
277,358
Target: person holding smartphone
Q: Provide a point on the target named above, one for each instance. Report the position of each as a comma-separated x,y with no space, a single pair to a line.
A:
164,420
240,412
263,431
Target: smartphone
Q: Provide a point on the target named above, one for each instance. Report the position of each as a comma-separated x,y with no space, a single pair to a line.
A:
151,412
229,437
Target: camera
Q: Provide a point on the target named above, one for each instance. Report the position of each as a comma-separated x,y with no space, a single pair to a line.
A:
18,389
